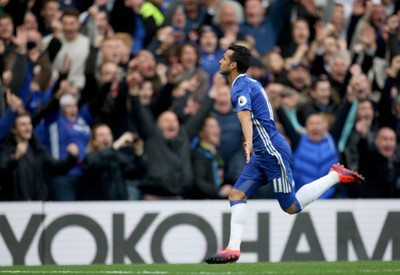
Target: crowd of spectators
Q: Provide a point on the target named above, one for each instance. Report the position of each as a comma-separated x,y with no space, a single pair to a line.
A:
122,99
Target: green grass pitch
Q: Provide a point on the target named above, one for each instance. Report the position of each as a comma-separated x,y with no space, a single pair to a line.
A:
282,268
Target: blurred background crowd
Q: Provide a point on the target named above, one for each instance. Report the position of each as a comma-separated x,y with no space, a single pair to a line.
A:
122,100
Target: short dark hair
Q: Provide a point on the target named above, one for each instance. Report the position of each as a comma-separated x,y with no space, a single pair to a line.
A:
21,114
70,12
317,80
242,56
189,44
6,16
45,2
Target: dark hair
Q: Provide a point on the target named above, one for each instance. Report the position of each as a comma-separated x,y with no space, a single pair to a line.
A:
6,16
95,127
45,2
70,12
21,114
320,78
242,56
189,44
90,147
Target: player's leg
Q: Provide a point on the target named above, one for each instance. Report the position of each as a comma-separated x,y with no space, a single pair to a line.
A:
238,203
313,190
280,176
247,183
295,202
276,164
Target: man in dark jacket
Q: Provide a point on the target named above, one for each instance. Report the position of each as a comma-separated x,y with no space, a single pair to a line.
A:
321,100
380,165
208,166
167,145
109,164
25,165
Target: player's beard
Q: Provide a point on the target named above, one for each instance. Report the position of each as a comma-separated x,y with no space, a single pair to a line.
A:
226,72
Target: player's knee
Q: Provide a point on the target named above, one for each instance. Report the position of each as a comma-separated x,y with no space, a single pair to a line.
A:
236,195
291,210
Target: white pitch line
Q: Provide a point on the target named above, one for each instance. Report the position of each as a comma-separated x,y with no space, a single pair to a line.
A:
82,272
369,271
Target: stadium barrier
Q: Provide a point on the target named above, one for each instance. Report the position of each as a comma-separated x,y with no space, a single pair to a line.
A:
185,231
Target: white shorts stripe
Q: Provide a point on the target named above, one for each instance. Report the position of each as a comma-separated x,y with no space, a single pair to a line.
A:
272,151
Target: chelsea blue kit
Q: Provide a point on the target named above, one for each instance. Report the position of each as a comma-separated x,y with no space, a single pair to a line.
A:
271,161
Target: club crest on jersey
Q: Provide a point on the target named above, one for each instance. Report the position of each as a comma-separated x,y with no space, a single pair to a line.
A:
242,101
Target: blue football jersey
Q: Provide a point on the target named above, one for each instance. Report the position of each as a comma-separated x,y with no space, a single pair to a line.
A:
248,94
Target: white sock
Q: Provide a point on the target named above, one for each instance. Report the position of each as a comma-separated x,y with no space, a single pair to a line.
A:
313,190
238,222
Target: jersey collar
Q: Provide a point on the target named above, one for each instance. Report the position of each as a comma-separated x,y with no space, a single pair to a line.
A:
237,78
